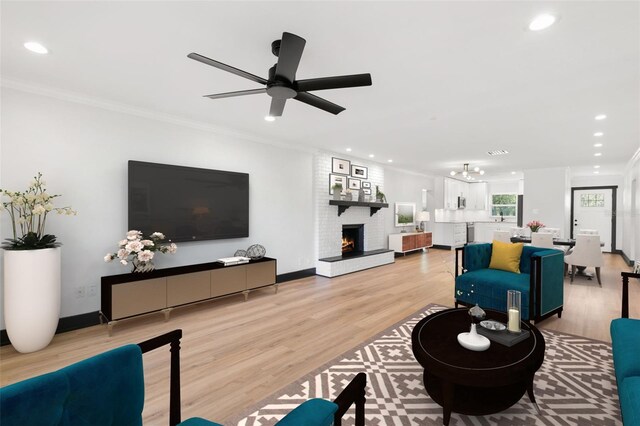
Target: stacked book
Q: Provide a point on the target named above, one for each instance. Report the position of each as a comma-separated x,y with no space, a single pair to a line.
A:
236,260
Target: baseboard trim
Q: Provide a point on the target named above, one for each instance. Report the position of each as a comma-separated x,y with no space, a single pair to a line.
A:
296,275
441,247
65,324
628,261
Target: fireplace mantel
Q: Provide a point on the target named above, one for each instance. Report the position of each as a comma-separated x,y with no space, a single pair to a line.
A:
344,205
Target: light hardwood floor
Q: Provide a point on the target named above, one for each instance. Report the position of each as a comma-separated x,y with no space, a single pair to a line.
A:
235,353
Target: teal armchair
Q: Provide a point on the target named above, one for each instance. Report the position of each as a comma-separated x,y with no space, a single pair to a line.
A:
540,281
108,390
625,344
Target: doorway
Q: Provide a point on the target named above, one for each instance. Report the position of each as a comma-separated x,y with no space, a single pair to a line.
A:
595,208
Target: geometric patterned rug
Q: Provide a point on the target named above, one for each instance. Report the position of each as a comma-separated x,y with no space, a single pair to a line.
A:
575,385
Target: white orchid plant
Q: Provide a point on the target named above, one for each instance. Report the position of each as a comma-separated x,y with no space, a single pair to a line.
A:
28,211
140,250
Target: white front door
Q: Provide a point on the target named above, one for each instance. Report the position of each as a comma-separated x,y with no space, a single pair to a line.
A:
593,209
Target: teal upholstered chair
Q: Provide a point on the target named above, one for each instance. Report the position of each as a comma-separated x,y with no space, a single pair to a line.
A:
625,342
540,281
108,390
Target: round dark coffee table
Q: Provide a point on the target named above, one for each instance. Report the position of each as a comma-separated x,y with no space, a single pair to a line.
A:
474,383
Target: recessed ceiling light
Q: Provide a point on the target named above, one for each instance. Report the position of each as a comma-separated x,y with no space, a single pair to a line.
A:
270,118
389,161
600,117
598,134
371,155
596,167
513,173
476,169
541,22
36,47
452,173
597,154
597,145
348,149
596,171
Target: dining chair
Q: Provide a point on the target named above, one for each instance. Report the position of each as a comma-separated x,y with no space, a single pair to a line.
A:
517,231
542,239
588,232
585,253
503,236
553,231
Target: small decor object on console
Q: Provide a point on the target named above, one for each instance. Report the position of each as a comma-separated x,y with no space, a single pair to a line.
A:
513,309
236,260
337,191
138,250
240,253
256,251
535,225
472,340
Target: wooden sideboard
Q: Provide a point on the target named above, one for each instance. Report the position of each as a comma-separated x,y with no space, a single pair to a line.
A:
129,295
405,242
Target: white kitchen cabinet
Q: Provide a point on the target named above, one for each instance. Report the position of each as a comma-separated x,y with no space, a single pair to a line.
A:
453,189
449,234
477,199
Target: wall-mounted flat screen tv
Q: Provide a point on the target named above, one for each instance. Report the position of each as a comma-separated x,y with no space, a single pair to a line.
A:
187,203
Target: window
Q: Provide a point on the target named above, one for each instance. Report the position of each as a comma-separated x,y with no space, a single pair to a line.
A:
591,200
504,205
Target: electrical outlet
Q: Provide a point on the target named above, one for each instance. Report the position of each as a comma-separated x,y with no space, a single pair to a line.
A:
93,290
79,292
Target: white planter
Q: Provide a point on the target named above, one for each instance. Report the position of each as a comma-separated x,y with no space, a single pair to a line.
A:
31,297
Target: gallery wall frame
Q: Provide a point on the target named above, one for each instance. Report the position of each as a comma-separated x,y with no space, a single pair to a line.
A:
340,166
334,179
360,172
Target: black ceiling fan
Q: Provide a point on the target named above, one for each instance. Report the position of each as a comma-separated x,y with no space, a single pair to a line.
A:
282,83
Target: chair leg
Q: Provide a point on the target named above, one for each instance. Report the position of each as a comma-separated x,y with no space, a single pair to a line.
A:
573,272
566,268
598,275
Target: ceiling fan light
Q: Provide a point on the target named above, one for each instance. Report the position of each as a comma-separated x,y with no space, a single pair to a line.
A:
270,118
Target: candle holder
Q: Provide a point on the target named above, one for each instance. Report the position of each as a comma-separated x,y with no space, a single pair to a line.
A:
514,310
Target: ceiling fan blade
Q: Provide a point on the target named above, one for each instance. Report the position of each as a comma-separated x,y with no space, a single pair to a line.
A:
318,102
277,106
226,67
291,48
338,82
238,93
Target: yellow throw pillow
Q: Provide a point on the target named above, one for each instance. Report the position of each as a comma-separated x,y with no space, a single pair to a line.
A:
506,256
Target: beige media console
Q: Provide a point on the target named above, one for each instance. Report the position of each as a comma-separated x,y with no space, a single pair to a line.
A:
129,295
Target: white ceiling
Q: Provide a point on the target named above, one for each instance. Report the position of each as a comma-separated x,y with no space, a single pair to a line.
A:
451,80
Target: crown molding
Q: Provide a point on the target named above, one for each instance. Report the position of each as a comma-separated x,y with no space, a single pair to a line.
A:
123,108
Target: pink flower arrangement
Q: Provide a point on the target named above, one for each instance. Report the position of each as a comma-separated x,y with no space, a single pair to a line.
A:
139,251
534,225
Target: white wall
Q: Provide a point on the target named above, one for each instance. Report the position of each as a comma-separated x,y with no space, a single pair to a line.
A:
83,151
631,208
610,180
547,197
402,186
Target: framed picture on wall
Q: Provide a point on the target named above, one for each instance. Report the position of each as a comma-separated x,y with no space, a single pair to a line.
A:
337,179
355,183
366,184
405,214
340,166
360,172
367,191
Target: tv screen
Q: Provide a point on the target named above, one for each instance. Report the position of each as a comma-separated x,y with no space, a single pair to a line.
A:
187,203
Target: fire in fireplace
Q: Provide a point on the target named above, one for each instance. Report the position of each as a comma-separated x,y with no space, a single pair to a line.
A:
352,239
